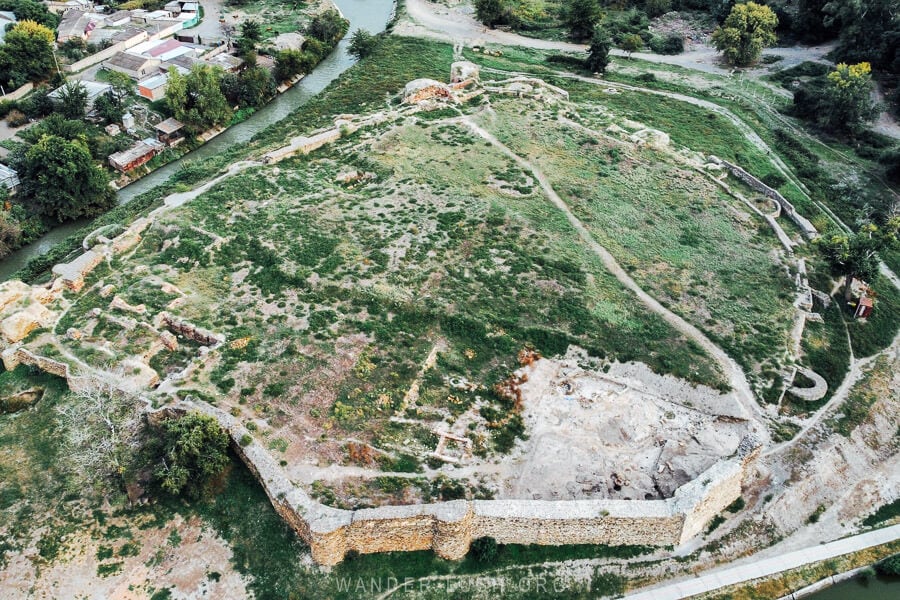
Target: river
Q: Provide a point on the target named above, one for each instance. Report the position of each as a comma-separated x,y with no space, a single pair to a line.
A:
872,588
372,15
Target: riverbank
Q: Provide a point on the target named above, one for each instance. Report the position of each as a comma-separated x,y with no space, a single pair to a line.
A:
35,259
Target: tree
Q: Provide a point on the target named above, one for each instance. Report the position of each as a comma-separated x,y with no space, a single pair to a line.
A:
598,52
31,10
492,12
362,44
809,22
27,54
109,108
251,30
846,101
328,27
869,31
61,179
190,451
122,85
855,256
289,63
580,17
103,431
655,8
632,43
251,87
72,102
746,31
196,99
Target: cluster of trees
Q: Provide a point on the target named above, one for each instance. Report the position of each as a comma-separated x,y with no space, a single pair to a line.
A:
324,32
110,443
26,54
59,168
841,101
855,256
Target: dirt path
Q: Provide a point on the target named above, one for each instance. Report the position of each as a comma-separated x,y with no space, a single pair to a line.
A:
427,19
732,371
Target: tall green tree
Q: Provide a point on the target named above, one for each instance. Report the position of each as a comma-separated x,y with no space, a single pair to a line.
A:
328,27
253,86
855,256
581,17
362,44
598,52
846,101
492,12
289,62
72,102
869,31
746,31
31,10
26,54
190,451
62,181
196,99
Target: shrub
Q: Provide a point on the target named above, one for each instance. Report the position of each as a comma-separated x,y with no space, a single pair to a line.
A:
484,549
189,452
16,118
671,44
889,566
246,440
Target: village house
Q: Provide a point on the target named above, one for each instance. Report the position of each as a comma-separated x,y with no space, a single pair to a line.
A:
118,18
59,7
154,88
170,132
135,66
9,179
140,153
75,25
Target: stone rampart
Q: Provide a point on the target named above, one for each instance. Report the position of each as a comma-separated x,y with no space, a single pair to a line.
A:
805,226
448,528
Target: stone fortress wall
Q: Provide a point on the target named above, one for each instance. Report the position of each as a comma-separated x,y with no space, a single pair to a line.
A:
447,528
802,222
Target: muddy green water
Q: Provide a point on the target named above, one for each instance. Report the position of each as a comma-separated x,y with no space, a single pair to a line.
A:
880,588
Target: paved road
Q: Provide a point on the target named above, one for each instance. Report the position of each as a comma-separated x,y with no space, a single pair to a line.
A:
768,566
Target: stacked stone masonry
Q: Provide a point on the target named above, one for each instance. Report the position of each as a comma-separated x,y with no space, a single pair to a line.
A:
805,226
448,528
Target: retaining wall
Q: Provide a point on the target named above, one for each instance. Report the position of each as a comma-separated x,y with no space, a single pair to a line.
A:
16,94
805,226
448,528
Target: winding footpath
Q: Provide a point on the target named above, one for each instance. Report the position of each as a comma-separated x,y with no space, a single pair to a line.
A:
730,368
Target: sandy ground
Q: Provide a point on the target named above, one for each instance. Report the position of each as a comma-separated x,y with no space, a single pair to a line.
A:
196,566
612,435
427,19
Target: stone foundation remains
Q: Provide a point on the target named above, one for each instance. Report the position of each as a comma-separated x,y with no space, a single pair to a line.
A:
448,528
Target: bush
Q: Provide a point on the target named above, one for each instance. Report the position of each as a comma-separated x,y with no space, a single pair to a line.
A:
737,505
484,549
246,440
16,118
889,566
189,452
671,44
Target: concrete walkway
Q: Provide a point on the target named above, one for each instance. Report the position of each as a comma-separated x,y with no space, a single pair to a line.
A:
768,566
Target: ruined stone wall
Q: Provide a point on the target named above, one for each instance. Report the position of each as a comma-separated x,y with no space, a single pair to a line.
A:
805,226
448,528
